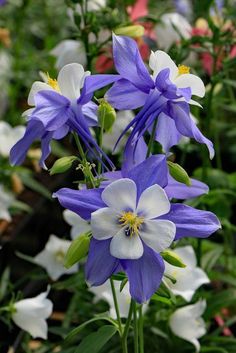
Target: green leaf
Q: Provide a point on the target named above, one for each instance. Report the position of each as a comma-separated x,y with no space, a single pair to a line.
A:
78,329
4,282
62,165
77,250
172,258
94,342
159,298
34,185
178,173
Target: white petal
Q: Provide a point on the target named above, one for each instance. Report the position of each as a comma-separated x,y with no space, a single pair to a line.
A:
69,51
36,327
78,224
188,280
159,60
36,87
126,247
56,244
187,323
121,195
71,79
153,202
104,223
158,234
192,81
187,254
9,136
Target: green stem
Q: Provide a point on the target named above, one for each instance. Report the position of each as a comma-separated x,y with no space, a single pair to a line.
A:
150,144
116,305
126,329
78,144
140,328
100,144
136,331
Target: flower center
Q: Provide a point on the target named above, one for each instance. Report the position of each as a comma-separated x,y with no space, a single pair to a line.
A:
53,83
183,69
60,256
132,221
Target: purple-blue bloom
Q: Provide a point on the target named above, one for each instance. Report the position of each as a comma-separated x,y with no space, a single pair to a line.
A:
132,222
164,96
59,107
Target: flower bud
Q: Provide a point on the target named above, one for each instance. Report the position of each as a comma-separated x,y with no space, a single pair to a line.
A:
62,165
106,115
135,31
172,258
77,250
178,173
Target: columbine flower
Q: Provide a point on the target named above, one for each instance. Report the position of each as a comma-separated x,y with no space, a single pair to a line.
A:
31,314
187,323
59,108
173,26
6,200
188,279
165,95
9,136
132,222
69,51
78,225
52,257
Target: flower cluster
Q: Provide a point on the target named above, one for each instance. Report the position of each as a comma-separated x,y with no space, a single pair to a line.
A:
131,214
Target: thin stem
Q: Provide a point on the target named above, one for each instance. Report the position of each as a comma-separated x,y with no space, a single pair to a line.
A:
126,329
140,329
136,331
150,144
116,305
100,139
78,144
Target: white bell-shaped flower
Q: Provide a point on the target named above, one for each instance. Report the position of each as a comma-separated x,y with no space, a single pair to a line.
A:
188,324
31,314
6,200
52,257
69,51
9,136
188,279
166,32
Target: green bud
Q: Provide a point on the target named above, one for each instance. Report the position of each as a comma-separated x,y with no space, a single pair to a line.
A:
178,173
106,115
62,165
77,250
135,31
172,258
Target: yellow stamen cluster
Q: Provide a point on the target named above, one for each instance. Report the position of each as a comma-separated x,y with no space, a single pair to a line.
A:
53,83
183,69
132,221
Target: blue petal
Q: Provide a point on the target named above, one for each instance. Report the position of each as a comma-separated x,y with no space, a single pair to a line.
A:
165,86
179,111
100,264
89,111
134,154
124,95
180,191
129,64
83,202
152,171
144,274
191,222
45,147
52,109
18,152
93,83
166,133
